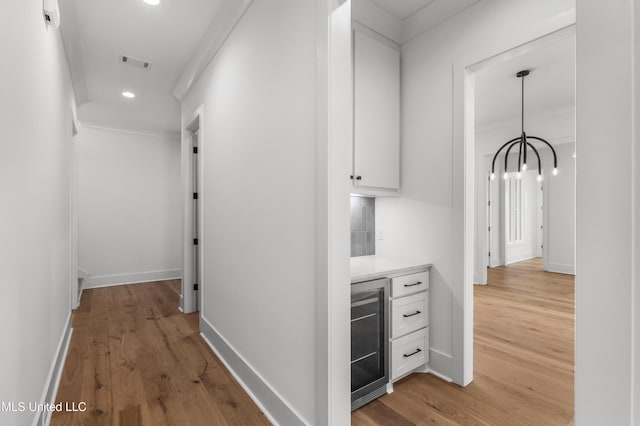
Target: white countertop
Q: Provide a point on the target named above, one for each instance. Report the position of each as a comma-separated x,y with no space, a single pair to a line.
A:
365,268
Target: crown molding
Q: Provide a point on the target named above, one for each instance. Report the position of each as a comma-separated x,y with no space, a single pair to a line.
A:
225,21
165,135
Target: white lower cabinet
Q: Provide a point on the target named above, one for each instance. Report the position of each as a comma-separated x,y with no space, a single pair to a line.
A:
409,314
409,352
409,328
409,284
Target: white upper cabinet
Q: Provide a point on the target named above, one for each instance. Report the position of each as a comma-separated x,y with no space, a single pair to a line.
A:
376,147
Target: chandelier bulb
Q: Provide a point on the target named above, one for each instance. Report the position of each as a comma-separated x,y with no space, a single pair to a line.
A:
539,178
519,175
505,176
524,167
555,171
493,176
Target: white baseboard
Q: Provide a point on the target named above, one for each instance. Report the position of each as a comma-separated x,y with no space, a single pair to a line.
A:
82,273
268,400
477,279
442,376
80,290
561,269
134,278
50,390
440,364
519,259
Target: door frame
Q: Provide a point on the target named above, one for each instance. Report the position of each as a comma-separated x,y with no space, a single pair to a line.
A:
74,285
463,71
188,301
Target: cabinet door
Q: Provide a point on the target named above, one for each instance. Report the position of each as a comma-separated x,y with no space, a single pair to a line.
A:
409,352
408,284
376,113
409,314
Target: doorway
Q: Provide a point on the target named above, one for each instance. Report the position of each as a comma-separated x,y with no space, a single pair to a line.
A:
520,232
510,214
191,288
528,214
75,278
524,218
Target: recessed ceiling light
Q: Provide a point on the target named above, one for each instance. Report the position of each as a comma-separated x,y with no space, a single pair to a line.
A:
152,2
128,95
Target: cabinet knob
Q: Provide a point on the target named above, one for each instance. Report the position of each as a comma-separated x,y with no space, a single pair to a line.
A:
358,177
351,177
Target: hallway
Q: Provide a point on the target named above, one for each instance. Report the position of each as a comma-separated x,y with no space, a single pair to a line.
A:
523,360
135,359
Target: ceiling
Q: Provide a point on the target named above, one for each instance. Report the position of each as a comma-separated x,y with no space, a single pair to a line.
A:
550,87
402,9
97,32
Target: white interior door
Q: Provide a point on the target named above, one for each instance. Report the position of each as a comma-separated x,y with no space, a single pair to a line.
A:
191,291
520,203
195,221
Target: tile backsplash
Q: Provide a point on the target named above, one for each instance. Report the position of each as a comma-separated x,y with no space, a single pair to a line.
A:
363,226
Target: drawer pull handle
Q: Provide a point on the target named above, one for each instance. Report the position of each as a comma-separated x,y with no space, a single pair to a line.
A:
411,285
410,315
417,351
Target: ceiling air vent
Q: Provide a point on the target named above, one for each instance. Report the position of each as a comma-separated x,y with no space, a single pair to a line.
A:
135,62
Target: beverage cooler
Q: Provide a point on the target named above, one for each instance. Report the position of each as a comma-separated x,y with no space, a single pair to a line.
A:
369,341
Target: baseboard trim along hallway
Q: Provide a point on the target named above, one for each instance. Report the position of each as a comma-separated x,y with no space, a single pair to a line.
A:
55,373
270,402
132,278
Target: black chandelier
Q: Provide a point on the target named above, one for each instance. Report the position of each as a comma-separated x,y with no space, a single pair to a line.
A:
523,146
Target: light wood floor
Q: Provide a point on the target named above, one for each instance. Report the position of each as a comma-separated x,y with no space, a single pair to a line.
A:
523,361
136,360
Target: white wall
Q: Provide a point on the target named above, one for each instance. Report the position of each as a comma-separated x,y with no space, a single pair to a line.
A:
635,226
607,295
560,211
426,221
258,149
129,206
36,103
557,127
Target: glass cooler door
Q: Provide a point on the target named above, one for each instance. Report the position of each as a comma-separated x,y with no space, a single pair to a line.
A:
368,336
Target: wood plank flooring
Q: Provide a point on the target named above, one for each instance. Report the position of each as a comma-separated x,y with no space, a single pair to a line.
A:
523,361
135,359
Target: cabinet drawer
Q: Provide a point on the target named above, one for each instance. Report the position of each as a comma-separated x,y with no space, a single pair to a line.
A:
409,313
409,352
408,284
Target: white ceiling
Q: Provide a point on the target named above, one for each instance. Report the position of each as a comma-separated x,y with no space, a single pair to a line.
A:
402,9
97,32
549,88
